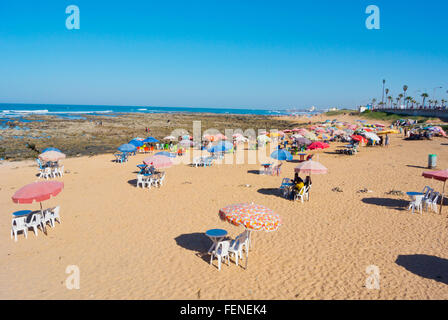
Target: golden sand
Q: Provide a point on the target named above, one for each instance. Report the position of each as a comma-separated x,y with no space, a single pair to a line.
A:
131,243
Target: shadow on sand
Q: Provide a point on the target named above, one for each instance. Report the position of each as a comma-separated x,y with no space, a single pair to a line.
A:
429,267
270,192
418,167
397,204
253,171
197,242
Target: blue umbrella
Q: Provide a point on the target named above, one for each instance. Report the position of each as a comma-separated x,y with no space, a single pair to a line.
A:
281,154
221,147
127,148
136,143
150,140
51,149
166,154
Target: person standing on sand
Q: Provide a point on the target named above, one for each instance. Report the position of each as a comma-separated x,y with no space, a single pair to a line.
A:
387,140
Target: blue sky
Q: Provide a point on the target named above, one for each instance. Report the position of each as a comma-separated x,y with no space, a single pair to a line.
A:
207,53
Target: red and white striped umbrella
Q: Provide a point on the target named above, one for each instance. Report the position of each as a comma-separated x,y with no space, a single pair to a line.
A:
158,162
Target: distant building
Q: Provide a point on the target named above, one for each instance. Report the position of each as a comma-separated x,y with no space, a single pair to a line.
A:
362,109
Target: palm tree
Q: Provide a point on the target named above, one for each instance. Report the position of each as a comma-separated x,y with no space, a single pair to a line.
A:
430,103
443,103
405,88
390,98
408,99
424,96
400,96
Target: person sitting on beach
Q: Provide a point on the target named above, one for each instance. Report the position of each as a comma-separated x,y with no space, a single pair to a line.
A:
151,168
307,181
298,184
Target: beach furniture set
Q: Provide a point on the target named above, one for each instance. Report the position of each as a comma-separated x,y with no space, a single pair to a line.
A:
26,219
150,180
222,248
50,169
203,161
425,200
271,170
286,189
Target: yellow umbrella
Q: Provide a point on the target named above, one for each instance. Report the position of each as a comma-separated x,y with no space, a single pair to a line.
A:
387,132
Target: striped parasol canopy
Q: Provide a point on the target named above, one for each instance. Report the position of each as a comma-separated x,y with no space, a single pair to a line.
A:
251,216
158,161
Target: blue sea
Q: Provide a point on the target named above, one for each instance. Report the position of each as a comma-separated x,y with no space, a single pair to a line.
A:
21,111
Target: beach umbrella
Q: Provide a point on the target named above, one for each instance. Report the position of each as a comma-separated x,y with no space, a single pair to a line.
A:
127,148
186,137
296,136
186,143
387,132
303,141
136,143
358,138
253,217
440,176
150,140
241,139
51,149
220,136
221,147
379,125
324,137
170,138
166,154
38,191
52,156
318,145
263,138
311,136
281,155
371,136
311,167
158,162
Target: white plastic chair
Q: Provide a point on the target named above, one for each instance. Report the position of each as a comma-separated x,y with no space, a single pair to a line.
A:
46,218
54,172
417,204
45,173
198,162
141,180
236,247
35,222
61,171
221,252
285,187
55,215
302,194
19,224
433,204
161,179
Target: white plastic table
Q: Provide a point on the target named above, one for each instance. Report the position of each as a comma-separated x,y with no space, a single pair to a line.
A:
216,235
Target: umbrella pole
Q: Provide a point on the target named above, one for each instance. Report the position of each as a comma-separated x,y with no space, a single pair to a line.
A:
247,248
441,201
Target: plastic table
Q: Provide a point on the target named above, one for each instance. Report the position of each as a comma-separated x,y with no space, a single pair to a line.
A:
21,213
216,235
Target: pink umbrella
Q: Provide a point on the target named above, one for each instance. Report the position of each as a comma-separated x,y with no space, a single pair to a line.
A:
220,136
158,161
318,145
51,156
440,176
38,191
311,167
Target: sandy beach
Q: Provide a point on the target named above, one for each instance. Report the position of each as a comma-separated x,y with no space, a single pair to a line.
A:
132,243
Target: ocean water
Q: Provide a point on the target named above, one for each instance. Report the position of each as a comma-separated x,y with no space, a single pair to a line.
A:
20,111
